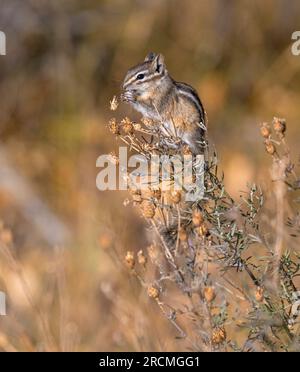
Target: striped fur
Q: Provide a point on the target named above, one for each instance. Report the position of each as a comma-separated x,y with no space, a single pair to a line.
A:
191,94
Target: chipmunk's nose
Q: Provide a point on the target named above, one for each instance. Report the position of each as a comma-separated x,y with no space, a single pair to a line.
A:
125,83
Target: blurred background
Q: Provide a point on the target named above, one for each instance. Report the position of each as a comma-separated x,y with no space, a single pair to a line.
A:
65,61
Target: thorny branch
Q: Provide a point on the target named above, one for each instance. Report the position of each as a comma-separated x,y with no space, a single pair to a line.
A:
200,248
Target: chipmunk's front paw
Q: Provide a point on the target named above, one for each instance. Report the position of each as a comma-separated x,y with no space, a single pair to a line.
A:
128,96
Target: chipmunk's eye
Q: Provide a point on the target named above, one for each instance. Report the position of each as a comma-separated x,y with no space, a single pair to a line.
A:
140,76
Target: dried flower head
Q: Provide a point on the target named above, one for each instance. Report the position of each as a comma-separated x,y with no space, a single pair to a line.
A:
269,146
127,126
218,335
137,126
197,218
148,209
175,196
126,202
114,126
279,126
265,130
147,122
129,259
142,259
153,292
209,294
153,252
259,294
114,103
136,196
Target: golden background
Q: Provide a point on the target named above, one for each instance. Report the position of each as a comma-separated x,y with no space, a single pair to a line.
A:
65,61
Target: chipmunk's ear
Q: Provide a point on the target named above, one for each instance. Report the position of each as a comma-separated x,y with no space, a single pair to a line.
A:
150,57
158,63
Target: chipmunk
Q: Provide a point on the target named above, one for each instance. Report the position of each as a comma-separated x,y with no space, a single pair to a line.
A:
150,89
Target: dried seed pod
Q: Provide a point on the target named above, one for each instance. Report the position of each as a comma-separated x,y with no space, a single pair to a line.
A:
155,193
129,259
218,335
114,126
197,218
279,126
153,252
114,103
142,259
270,148
147,122
209,294
127,126
153,292
148,209
259,294
265,130
183,236
126,202
137,126
175,196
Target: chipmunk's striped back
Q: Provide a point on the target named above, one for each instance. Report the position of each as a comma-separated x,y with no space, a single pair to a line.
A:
149,88
191,94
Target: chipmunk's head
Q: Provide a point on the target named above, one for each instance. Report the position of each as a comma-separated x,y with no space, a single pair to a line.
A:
141,80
